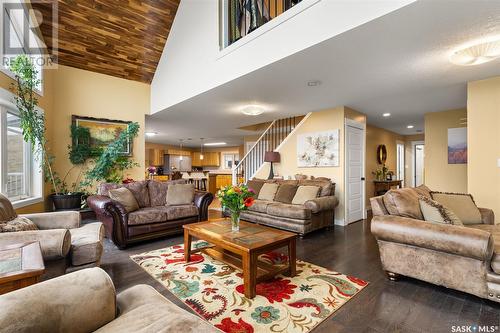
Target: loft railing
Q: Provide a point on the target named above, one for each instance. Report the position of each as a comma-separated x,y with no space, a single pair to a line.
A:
244,16
272,137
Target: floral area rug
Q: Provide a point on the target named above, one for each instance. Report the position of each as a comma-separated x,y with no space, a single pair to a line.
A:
215,291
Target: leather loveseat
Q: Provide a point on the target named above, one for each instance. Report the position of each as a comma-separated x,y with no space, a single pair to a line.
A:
86,301
153,219
304,218
465,258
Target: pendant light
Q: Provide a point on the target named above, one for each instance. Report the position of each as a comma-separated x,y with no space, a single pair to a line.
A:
201,149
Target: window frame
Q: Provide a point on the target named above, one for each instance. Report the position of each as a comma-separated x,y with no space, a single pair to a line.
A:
234,158
33,176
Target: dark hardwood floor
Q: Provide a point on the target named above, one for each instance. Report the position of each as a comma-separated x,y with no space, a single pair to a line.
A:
404,306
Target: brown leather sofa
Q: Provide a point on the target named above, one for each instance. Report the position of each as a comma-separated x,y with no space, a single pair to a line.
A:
465,258
302,219
154,219
86,301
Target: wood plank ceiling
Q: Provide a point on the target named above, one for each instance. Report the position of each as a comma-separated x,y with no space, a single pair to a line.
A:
115,37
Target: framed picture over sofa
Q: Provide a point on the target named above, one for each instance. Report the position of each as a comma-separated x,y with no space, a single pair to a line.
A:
104,131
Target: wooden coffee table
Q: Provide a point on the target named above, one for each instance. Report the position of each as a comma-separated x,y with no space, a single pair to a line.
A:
21,265
241,249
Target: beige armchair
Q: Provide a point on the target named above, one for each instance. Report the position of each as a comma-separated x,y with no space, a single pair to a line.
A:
66,244
86,301
465,258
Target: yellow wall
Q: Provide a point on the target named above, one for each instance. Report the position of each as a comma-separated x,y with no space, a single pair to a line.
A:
439,175
374,137
483,117
316,122
69,91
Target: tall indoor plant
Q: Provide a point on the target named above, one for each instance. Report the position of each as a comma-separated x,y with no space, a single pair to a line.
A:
235,199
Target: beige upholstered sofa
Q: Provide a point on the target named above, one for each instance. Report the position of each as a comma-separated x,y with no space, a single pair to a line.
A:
304,218
465,258
86,301
66,244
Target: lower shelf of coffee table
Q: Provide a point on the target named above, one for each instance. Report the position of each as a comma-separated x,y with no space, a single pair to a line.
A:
265,271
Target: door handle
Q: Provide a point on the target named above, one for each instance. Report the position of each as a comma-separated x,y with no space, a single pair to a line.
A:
362,178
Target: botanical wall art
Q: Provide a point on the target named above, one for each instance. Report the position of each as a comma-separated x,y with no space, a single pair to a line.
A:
457,145
318,149
104,132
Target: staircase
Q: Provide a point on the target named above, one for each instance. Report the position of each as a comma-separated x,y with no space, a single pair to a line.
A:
272,137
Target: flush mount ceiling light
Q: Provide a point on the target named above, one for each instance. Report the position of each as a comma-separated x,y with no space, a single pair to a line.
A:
214,144
150,133
252,110
409,126
478,53
313,83
386,114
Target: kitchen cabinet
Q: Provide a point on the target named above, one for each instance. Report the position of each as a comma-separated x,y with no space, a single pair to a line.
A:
211,159
156,157
197,162
179,152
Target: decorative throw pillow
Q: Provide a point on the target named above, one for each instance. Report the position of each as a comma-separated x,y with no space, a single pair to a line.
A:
180,194
255,185
403,202
434,212
268,191
462,204
19,223
423,190
285,193
124,196
305,193
7,211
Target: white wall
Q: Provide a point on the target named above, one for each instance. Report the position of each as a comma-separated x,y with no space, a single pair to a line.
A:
193,63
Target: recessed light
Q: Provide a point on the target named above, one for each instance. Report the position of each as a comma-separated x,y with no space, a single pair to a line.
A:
477,53
150,133
387,114
253,110
410,126
214,144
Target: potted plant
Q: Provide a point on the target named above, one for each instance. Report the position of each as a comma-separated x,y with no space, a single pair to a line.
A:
235,199
33,127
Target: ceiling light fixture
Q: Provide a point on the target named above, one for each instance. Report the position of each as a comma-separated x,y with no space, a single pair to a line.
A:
214,144
313,83
477,53
201,149
253,110
180,145
150,133
386,114
410,126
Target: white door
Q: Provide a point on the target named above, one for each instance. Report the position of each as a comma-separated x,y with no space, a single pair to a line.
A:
400,161
354,174
419,152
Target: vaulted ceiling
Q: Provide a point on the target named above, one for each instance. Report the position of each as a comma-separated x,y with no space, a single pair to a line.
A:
118,38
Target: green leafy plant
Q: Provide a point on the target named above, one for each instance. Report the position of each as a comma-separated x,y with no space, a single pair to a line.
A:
32,120
110,165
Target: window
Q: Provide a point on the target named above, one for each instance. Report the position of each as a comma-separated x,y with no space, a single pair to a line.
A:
20,175
230,160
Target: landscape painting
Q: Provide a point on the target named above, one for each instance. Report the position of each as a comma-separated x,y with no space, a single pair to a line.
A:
104,131
457,145
319,149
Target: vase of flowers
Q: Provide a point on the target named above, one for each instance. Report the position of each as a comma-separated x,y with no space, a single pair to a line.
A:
235,199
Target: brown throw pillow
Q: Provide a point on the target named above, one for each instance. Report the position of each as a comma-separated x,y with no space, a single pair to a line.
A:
20,223
255,185
7,212
423,190
124,196
403,202
305,193
434,212
462,204
285,193
180,194
268,191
